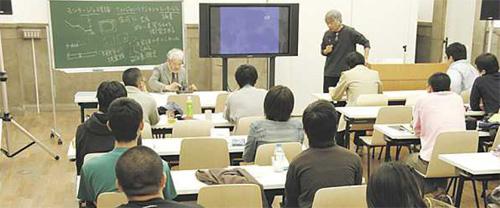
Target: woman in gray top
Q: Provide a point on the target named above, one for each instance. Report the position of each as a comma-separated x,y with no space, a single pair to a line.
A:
277,127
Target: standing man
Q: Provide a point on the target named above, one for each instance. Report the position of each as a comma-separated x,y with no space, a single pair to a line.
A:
171,75
462,73
338,41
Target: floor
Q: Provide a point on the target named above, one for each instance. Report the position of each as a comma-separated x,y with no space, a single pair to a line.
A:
34,179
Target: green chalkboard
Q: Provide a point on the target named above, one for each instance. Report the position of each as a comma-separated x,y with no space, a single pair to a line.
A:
94,34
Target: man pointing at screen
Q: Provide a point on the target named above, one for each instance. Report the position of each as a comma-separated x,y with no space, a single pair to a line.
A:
339,41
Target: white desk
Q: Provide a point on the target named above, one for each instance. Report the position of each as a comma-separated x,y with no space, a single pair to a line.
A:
186,183
370,112
393,96
87,99
217,119
475,166
167,147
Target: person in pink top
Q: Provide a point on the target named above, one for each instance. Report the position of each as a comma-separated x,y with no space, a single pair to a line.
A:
439,111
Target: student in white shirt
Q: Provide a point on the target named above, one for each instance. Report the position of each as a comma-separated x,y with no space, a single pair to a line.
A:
462,73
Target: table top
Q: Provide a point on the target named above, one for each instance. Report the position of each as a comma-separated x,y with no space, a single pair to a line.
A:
400,95
169,146
391,131
217,119
186,183
370,112
483,163
207,98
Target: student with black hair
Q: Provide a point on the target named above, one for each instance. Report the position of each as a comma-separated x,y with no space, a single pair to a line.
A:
356,81
136,89
277,127
393,185
140,175
462,73
98,174
439,111
324,164
93,135
486,88
247,100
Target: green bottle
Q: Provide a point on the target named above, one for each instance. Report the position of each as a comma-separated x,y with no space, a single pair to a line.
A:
189,108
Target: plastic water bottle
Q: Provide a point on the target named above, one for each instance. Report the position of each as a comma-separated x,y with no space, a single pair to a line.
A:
189,108
280,163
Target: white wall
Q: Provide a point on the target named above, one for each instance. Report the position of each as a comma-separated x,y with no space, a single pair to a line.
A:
425,10
388,24
27,11
460,23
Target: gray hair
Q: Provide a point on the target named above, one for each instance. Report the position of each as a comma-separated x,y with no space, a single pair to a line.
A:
176,54
334,15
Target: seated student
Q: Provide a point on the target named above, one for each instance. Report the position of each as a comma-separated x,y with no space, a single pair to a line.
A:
393,185
439,111
462,73
324,164
277,127
98,174
247,100
487,87
93,135
140,175
171,75
356,81
136,89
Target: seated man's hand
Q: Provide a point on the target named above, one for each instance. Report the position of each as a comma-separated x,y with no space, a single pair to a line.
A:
192,87
173,87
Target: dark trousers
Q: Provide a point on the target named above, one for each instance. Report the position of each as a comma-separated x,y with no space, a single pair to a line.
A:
329,82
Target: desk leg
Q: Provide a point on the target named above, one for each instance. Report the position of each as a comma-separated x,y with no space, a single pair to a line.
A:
387,152
460,189
82,114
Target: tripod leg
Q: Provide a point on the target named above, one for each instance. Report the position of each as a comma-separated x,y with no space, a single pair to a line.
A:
53,134
35,140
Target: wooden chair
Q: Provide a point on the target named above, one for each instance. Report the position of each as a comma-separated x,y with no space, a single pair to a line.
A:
243,125
147,133
111,199
230,195
342,196
191,128
466,96
203,153
220,102
386,115
264,153
497,139
181,100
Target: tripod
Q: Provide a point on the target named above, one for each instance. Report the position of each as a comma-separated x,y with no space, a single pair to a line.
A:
8,120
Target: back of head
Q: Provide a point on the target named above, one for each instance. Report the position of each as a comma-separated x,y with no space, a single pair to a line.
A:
125,119
439,82
278,104
393,185
107,92
139,171
457,51
487,62
132,77
320,124
246,74
354,58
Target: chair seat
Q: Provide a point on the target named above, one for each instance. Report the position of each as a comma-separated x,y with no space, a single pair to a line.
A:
368,140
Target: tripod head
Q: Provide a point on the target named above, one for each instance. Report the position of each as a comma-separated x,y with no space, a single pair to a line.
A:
3,76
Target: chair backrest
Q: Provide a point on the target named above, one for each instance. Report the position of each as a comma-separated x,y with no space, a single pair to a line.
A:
266,151
111,199
191,128
342,196
450,143
203,153
496,142
230,195
391,115
181,100
372,100
147,133
466,96
243,125
220,102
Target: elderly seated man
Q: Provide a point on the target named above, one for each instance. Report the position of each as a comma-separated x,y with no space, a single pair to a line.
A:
171,75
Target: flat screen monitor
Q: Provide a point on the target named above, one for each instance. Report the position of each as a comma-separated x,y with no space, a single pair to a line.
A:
243,30
5,7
